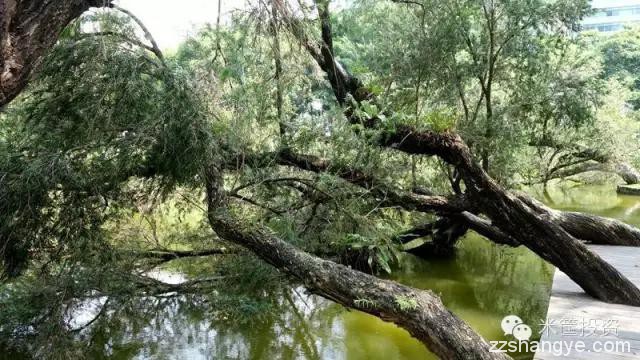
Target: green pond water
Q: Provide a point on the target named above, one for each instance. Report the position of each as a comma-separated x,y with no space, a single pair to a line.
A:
482,284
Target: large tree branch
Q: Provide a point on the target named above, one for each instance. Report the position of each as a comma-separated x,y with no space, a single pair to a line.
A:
154,48
28,29
121,37
168,255
418,311
452,210
506,211
474,222
585,227
625,170
485,228
455,206
386,194
514,217
589,159
590,228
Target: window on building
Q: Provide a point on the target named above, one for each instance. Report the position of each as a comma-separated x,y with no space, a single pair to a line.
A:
609,27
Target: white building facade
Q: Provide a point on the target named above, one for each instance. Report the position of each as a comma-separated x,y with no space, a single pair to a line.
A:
612,15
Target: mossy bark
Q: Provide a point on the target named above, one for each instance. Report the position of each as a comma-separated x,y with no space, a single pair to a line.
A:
420,312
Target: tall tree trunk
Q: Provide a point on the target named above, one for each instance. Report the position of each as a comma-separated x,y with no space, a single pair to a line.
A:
418,311
29,28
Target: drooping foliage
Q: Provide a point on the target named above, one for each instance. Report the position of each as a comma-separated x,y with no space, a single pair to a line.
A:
100,112
101,159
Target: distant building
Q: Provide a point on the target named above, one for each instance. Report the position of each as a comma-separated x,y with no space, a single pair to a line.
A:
612,15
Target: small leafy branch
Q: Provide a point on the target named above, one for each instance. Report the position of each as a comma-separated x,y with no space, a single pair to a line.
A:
365,303
405,303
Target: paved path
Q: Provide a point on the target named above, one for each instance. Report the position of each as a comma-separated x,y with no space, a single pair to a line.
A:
579,317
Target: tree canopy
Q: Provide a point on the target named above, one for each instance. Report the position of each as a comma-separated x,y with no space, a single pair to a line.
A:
307,140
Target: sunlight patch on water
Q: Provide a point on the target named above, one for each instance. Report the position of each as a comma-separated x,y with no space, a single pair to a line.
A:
168,277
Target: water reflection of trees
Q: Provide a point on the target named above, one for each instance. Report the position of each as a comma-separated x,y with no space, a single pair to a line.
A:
484,281
185,326
492,279
483,277
506,280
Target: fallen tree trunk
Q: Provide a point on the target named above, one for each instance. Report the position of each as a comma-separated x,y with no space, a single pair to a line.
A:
445,233
453,206
597,229
447,230
455,219
418,311
506,211
627,172
28,29
585,227
594,160
517,219
589,228
485,228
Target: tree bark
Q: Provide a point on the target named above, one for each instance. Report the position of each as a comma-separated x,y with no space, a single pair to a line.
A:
594,160
506,211
627,172
445,233
418,311
519,220
31,27
589,228
28,29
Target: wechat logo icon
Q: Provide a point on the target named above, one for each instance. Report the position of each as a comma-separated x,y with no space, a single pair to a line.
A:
513,325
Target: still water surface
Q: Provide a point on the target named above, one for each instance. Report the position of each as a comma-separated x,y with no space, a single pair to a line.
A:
482,284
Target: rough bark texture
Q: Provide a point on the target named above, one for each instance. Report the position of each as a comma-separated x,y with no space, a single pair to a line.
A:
627,172
509,213
519,219
585,227
29,28
418,311
589,228
485,228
